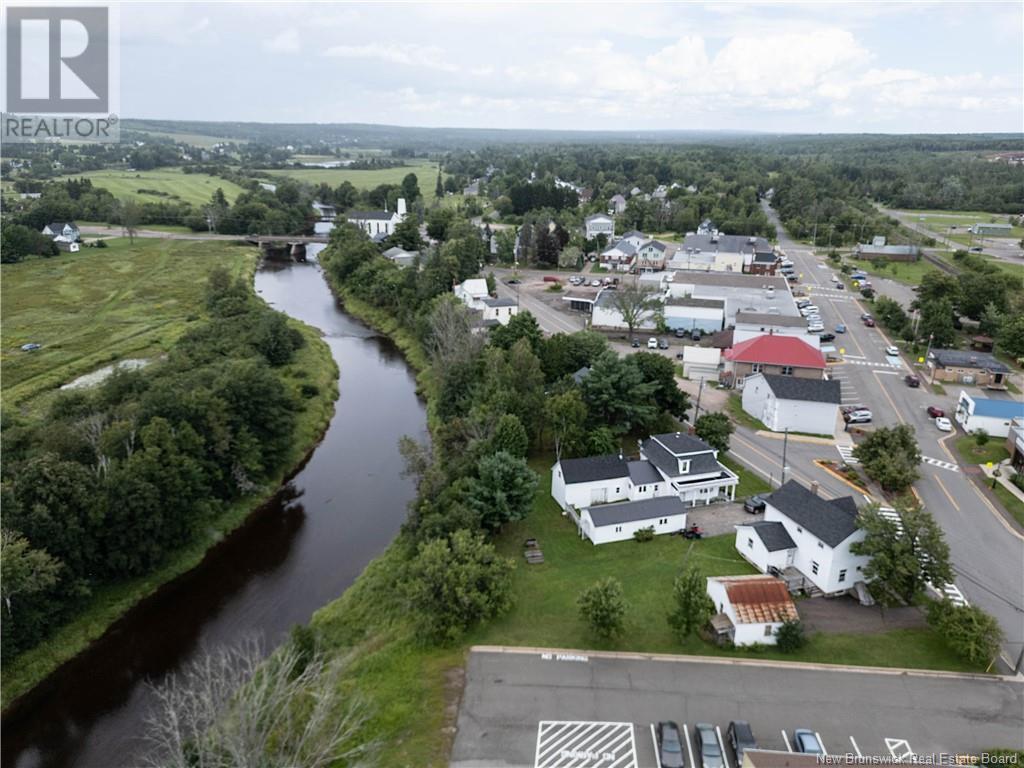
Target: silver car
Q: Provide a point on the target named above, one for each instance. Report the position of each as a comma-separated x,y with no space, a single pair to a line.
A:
708,746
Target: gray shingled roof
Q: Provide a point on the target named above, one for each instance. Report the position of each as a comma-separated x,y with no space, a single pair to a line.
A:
831,521
368,215
593,468
700,463
772,534
581,374
691,302
960,358
634,511
727,243
810,390
643,472
500,302
680,443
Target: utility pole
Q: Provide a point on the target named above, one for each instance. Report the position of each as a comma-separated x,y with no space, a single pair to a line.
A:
926,353
696,410
785,443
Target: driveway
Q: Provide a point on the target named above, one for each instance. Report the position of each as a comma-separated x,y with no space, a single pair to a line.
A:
845,615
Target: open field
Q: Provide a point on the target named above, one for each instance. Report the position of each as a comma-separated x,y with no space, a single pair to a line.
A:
426,173
96,306
909,272
195,139
177,187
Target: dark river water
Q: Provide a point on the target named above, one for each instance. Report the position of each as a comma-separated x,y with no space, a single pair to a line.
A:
296,554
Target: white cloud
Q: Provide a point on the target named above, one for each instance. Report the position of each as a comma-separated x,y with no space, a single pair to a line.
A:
430,57
286,41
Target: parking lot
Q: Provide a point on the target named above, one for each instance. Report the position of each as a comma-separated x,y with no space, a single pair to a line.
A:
540,709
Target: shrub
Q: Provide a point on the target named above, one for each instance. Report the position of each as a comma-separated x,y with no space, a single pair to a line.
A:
789,637
980,437
970,632
644,534
309,390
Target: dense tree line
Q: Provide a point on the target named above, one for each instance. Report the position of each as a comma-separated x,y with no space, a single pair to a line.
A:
494,398
108,481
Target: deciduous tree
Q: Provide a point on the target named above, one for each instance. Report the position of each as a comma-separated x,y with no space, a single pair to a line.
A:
715,430
692,608
603,606
890,457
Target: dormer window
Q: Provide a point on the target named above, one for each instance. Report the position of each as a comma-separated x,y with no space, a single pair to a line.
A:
684,466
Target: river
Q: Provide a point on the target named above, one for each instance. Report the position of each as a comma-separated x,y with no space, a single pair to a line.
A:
297,553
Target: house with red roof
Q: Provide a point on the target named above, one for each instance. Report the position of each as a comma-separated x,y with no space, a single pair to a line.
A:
773,354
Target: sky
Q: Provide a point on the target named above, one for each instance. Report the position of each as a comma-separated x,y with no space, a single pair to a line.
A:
781,67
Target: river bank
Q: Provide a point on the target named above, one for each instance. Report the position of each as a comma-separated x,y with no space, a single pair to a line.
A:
313,365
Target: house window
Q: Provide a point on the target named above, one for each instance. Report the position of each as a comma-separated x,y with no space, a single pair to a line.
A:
814,567
750,543
820,545
842,576
618,529
799,529
663,521
655,489
756,368
767,630
787,370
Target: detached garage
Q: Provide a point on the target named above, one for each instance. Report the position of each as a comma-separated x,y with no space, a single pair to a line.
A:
606,523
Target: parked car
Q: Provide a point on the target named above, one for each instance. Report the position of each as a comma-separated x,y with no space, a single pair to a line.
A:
595,283
739,735
696,334
815,328
652,343
551,279
754,505
662,343
840,287
513,281
840,328
708,746
793,278
808,309
825,337
865,316
858,417
935,412
892,350
869,322
31,347
670,745
851,408
806,741
803,303
681,333
912,381
867,293
635,343
943,424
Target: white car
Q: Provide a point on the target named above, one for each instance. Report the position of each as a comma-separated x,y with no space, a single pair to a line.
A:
943,424
892,351
810,309
652,343
815,328
858,417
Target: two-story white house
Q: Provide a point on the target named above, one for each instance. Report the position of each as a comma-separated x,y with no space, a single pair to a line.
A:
802,531
670,465
790,403
599,224
499,311
64,229
472,292
753,607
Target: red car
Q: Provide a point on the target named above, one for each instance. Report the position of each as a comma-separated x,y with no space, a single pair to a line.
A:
935,413
869,322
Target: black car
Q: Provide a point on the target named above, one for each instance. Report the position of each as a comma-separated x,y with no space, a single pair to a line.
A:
662,344
696,334
635,343
827,337
708,746
912,381
740,737
754,505
670,746
867,293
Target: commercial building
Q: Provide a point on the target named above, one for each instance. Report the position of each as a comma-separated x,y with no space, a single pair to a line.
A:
993,416
968,367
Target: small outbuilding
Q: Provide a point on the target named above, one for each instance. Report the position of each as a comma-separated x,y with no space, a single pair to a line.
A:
755,606
605,523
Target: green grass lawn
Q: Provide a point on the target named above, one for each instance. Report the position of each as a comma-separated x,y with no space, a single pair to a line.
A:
195,139
941,221
178,187
735,408
99,305
970,452
751,483
426,174
545,612
1010,503
909,272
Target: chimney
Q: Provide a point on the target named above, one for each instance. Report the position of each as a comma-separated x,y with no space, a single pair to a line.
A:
814,487
401,207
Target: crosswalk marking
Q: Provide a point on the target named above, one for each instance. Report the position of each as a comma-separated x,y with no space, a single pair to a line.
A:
873,364
940,463
846,452
950,590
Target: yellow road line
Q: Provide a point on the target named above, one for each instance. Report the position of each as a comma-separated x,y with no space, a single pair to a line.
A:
793,474
994,511
948,495
852,337
889,398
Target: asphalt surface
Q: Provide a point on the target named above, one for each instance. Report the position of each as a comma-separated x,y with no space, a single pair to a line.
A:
533,709
1005,248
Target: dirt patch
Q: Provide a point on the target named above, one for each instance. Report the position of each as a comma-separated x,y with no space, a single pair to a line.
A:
846,616
454,685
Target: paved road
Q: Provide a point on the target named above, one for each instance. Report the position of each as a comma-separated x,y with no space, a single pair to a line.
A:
508,695
987,552
551,321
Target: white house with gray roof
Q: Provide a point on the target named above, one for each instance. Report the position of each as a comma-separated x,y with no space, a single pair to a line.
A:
794,403
378,224
599,224
804,534
605,523
672,466
499,311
